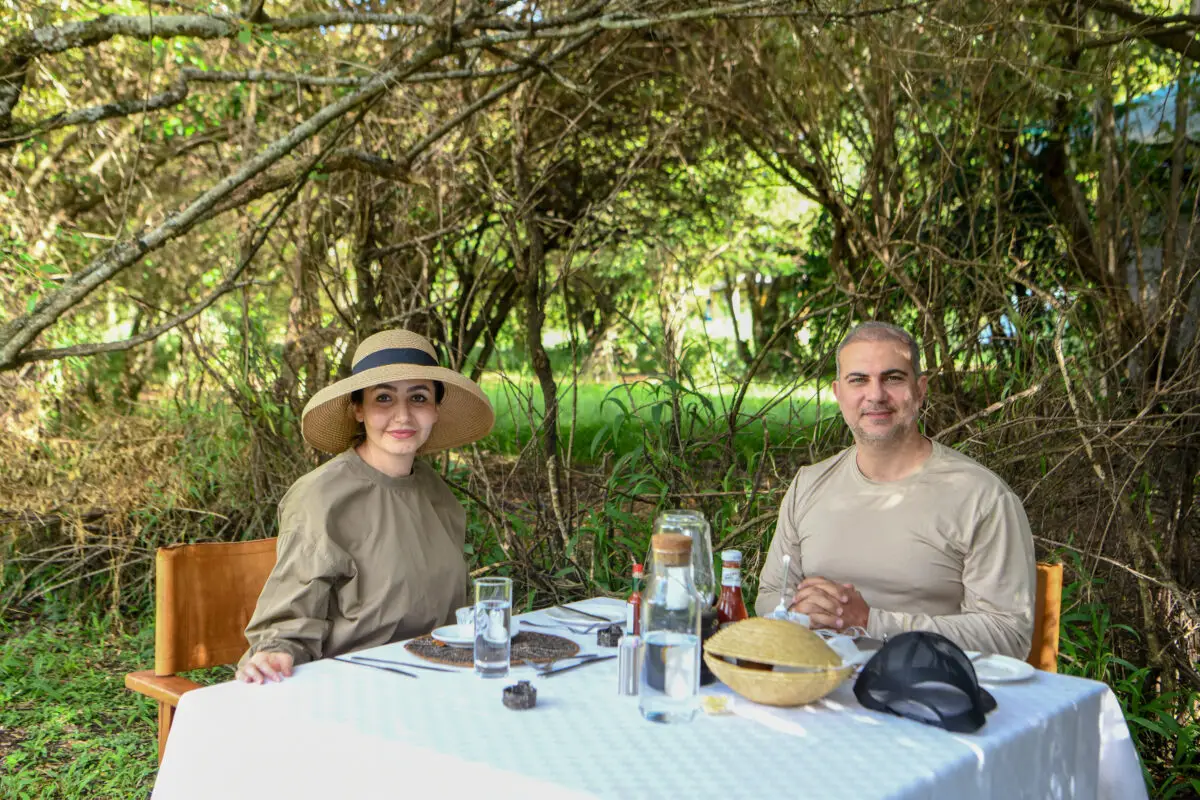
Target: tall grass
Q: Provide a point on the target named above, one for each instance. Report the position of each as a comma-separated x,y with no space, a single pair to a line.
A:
588,412
1163,722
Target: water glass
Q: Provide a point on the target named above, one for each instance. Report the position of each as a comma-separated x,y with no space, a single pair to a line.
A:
493,615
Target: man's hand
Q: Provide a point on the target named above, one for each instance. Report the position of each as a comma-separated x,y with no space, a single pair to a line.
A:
265,666
831,605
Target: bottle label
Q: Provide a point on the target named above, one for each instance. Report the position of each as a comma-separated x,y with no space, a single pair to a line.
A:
731,576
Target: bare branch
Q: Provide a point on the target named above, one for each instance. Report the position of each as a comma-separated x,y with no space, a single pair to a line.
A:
19,52
74,35
1176,32
150,334
225,287
298,79
87,116
20,332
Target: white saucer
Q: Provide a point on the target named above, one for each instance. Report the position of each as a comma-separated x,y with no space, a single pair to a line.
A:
455,635
568,614
1001,669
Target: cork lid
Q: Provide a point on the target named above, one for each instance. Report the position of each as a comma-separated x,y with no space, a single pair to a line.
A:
773,641
671,543
673,549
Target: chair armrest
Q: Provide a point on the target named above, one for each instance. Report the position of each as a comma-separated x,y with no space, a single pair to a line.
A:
163,688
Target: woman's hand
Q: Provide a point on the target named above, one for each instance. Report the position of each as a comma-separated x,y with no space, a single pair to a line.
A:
266,666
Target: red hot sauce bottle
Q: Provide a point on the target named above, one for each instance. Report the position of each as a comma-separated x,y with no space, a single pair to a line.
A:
633,606
730,606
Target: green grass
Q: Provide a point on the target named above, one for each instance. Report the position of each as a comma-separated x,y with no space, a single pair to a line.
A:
70,729
599,409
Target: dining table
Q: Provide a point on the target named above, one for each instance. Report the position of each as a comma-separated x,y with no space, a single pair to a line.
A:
337,729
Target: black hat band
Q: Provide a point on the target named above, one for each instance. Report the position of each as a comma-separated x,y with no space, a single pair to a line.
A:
394,355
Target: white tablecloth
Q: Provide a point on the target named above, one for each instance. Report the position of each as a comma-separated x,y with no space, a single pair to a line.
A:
338,730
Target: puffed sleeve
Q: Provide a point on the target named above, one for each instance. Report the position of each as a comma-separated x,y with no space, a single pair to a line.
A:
292,614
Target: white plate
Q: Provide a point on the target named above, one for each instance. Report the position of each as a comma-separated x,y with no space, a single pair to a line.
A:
568,614
455,635
1001,669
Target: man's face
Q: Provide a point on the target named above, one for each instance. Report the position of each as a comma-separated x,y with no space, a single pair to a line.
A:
878,391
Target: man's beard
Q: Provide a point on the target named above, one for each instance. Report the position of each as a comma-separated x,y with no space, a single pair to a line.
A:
898,429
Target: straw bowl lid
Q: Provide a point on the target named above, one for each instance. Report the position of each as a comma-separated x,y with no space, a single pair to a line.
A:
775,642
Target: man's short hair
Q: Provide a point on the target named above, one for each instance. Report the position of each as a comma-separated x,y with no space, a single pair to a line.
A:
881,332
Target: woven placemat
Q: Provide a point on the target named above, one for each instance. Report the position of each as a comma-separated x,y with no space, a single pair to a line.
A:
526,645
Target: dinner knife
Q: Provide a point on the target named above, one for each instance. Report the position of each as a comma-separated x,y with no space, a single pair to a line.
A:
404,664
583,663
373,666
589,616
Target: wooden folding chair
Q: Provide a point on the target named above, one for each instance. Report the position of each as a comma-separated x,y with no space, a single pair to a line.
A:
204,595
1047,612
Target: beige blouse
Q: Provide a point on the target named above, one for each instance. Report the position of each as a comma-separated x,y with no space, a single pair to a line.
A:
363,559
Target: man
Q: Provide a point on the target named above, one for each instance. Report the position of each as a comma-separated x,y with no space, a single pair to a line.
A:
898,532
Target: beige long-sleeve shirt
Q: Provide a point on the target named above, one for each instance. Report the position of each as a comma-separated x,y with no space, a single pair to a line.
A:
947,549
363,559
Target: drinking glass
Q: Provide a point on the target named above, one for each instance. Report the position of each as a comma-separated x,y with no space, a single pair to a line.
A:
493,615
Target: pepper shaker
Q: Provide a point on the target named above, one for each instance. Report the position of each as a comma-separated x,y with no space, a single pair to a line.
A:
628,649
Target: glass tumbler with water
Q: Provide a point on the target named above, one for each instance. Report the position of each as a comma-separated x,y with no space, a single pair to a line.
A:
669,688
493,615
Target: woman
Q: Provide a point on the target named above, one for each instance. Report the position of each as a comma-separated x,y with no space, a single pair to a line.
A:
371,543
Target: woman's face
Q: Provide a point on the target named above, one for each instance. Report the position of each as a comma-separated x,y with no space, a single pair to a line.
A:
398,418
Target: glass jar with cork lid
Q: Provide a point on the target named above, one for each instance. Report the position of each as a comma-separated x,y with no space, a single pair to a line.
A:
669,688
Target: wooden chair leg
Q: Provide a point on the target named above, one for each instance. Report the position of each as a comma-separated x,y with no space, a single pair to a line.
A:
166,715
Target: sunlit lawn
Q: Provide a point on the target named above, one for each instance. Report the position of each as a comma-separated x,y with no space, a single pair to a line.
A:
596,411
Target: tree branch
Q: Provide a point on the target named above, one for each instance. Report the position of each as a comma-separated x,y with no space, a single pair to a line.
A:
1175,32
21,331
228,285
87,116
298,79
16,56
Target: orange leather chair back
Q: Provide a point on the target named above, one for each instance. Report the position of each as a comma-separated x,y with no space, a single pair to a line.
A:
1047,613
204,596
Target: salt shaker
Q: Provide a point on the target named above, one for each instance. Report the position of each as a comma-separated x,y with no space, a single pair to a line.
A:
627,664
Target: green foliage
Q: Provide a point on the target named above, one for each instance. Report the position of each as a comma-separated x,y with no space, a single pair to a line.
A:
1164,724
68,726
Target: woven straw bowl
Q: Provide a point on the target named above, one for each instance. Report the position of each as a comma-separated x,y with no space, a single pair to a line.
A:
814,671
778,688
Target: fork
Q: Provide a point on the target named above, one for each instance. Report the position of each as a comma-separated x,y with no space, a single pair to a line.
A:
573,627
374,666
548,668
542,669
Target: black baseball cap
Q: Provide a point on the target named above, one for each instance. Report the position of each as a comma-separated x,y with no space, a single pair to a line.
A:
926,677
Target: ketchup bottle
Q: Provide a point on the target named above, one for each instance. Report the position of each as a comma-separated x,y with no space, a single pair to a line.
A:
730,606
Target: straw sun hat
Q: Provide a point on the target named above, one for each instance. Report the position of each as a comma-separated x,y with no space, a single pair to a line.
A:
464,413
